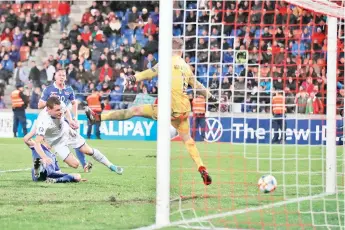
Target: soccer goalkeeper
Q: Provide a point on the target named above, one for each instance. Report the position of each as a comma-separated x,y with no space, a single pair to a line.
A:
182,76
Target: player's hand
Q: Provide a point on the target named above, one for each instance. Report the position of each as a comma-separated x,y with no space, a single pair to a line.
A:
72,133
213,103
47,161
74,124
131,78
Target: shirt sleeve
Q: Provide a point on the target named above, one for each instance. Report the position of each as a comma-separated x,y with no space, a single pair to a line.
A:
72,95
41,128
45,94
147,74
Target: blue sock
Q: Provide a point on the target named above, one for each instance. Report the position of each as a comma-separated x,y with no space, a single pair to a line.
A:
65,179
81,157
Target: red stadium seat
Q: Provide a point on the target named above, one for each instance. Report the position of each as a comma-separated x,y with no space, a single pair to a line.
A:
16,6
27,6
24,53
38,6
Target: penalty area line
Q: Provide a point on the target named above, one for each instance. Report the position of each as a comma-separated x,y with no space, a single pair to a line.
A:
238,212
15,170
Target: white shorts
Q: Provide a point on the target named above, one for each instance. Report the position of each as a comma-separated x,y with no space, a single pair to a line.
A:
62,148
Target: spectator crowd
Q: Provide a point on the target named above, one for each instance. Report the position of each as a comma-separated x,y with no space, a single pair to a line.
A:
240,50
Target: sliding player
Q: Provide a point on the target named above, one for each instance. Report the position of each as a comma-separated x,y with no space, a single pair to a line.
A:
52,127
182,76
42,171
66,95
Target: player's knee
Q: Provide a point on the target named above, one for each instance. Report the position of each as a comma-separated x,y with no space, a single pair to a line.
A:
136,111
186,138
75,164
77,177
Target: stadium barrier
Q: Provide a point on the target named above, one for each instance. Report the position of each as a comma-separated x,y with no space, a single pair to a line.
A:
251,128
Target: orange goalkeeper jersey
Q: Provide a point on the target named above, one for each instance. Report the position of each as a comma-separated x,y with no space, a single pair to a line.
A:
182,76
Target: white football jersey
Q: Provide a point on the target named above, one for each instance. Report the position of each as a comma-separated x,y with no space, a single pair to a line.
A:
53,130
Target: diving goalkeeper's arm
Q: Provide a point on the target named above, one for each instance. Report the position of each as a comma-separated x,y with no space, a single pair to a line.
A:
144,75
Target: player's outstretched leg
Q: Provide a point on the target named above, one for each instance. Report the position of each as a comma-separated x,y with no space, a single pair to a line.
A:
63,178
183,130
87,166
98,156
119,115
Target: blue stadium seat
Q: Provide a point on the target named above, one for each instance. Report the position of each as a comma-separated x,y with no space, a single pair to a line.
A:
143,41
139,37
177,32
139,32
192,6
156,56
119,14
212,70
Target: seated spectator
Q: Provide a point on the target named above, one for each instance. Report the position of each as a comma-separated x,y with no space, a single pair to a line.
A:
65,41
129,95
106,105
151,46
86,35
17,37
301,100
308,85
314,105
150,28
35,97
7,63
64,62
116,98
6,38
14,54
85,18
113,29
105,71
74,33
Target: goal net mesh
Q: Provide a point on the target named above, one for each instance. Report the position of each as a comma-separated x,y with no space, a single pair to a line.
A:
243,51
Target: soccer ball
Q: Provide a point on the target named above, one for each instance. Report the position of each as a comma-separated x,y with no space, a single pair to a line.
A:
267,183
173,132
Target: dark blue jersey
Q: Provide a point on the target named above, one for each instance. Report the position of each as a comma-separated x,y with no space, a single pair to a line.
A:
66,94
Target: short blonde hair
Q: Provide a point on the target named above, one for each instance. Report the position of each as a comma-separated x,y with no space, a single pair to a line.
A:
177,44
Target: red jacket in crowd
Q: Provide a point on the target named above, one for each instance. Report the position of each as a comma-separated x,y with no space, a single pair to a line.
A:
64,8
85,19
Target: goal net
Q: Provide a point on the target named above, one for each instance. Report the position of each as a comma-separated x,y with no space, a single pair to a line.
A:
244,51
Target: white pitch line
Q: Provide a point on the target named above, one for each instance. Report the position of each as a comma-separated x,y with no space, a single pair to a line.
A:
15,170
236,212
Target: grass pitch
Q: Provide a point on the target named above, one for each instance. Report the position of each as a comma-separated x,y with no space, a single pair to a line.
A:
109,201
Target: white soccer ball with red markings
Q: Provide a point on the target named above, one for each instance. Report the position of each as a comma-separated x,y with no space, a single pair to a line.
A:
267,183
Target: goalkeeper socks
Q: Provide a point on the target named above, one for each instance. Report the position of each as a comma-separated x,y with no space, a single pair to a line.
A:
81,157
123,114
65,179
98,156
193,152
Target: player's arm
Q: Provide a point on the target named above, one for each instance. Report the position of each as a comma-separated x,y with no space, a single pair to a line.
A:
28,137
146,74
43,100
193,82
40,132
74,103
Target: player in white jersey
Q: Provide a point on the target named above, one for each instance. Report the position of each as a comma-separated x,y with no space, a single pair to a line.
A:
52,127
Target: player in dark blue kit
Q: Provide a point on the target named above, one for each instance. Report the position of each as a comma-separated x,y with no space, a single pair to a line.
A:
66,95
46,168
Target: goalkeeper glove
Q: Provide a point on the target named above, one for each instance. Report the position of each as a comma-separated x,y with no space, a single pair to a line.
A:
213,103
131,78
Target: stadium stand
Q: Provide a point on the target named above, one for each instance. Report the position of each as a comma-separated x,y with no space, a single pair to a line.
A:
108,41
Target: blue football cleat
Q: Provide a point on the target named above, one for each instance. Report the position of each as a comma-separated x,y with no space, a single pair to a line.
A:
116,169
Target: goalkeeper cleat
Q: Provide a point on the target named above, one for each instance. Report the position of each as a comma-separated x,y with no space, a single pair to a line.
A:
91,115
88,167
116,169
50,180
205,176
37,166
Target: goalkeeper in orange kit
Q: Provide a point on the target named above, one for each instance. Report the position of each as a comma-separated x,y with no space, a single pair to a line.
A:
182,76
